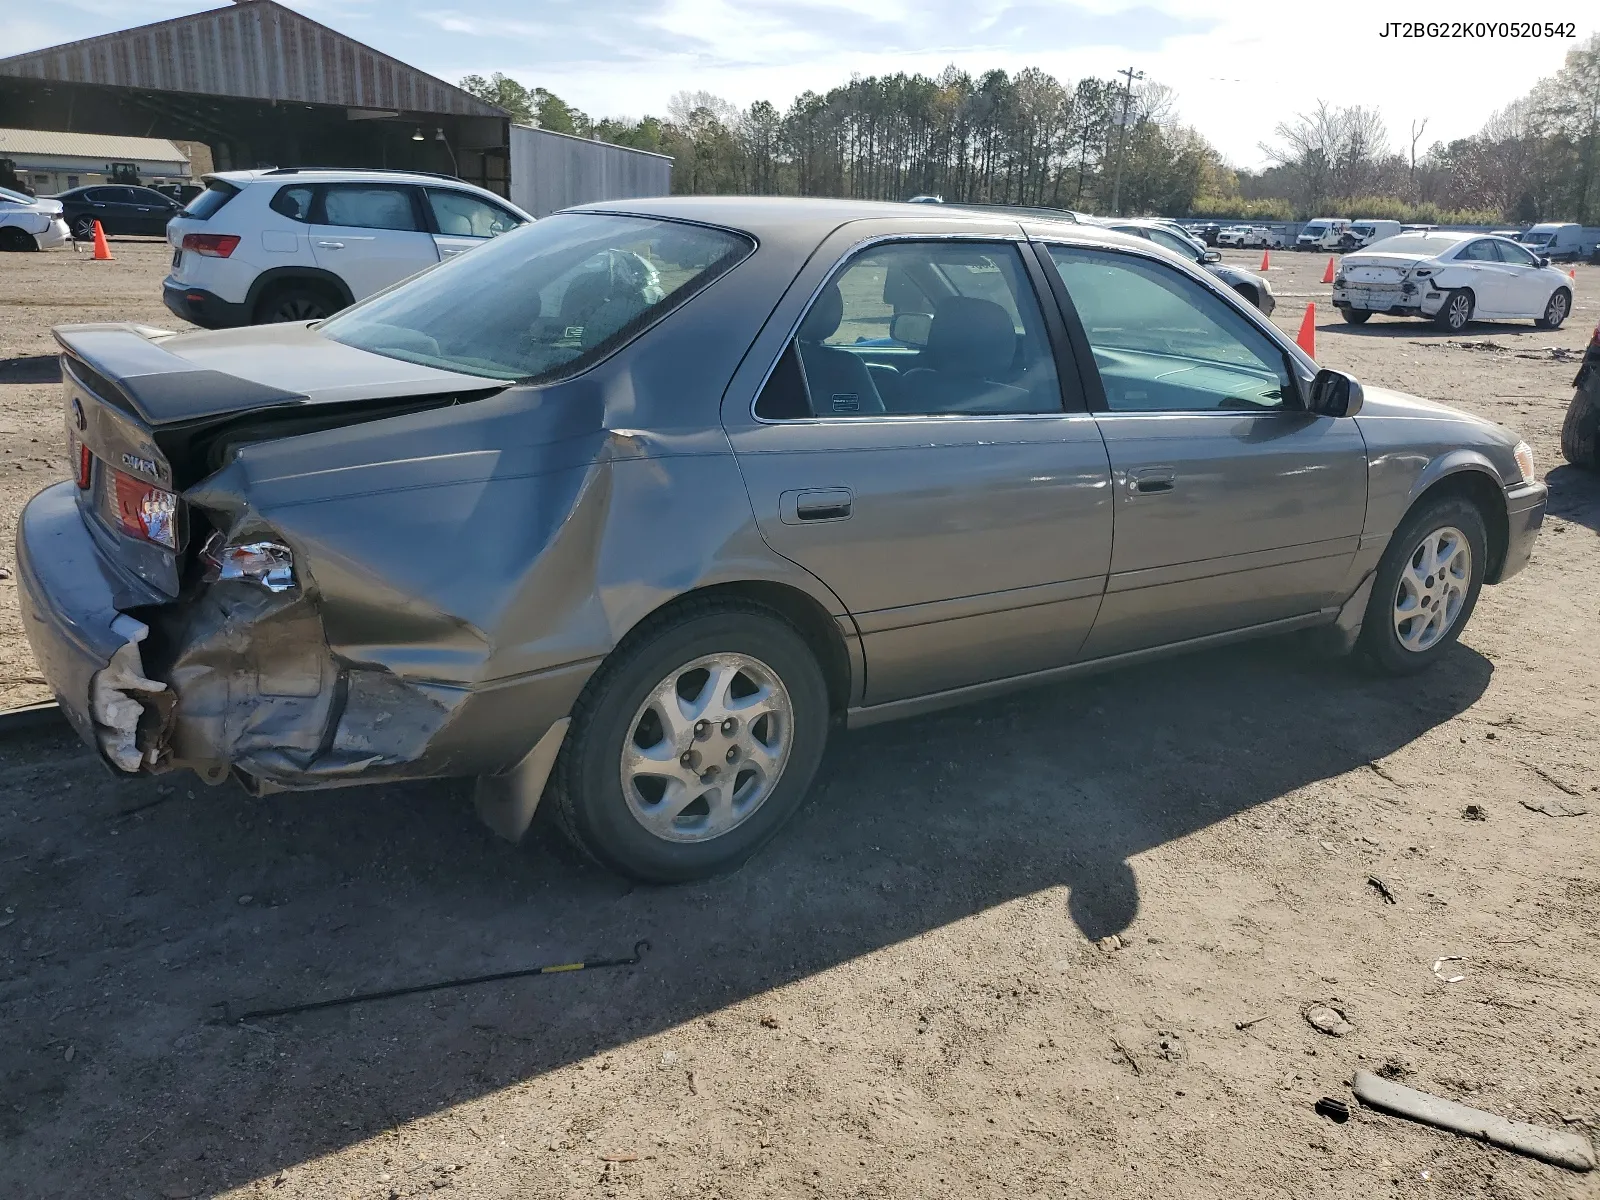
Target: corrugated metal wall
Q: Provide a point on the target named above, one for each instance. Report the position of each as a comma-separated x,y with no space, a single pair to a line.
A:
257,50
550,171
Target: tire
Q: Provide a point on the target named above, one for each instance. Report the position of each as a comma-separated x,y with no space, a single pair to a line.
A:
1455,314
1355,316
16,240
294,302
625,821
1581,425
1449,521
83,229
1556,310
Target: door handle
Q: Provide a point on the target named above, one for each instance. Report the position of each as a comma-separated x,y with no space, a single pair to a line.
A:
1151,482
331,245
816,504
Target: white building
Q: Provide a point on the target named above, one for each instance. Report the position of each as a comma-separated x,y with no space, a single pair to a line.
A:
52,162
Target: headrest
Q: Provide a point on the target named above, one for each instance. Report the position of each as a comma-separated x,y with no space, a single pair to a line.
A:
970,337
822,322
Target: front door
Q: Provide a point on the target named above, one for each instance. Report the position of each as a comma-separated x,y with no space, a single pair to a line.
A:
371,235
1234,506
913,451
1530,287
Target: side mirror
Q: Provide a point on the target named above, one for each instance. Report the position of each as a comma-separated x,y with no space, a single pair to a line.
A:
1335,394
1211,256
1544,260
911,328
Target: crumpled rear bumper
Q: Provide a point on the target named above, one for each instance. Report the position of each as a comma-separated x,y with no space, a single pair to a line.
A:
73,605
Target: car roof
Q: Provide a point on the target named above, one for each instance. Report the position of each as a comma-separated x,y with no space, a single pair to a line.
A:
338,175
762,216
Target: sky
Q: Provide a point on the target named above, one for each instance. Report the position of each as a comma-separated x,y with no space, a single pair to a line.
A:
1238,67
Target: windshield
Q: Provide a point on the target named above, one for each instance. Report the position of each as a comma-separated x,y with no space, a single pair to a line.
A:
1535,239
1313,229
545,300
13,197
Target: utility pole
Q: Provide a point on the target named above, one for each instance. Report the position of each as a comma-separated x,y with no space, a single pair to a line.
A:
1122,141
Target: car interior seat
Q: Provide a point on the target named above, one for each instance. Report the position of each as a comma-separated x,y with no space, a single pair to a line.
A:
971,346
838,381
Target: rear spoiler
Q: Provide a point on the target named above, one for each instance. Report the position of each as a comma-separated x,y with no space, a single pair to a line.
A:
129,370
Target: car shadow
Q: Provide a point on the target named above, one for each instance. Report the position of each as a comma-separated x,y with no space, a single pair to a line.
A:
1574,495
31,368
1380,325
217,897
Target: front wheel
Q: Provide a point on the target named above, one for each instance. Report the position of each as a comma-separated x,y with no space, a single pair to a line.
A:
1426,587
1555,312
1355,316
1455,312
693,744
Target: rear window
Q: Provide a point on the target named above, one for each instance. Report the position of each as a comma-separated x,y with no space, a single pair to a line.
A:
1412,244
543,301
217,194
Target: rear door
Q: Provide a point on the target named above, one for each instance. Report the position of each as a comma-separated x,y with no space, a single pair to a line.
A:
371,234
153,211
910,445
113,207
1234,507
460,220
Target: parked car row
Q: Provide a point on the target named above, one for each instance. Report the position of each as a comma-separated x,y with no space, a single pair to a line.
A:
623,513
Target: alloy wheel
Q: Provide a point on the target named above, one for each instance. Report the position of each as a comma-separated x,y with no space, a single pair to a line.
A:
298,308
1556,311
1460,310
1432,589
707,747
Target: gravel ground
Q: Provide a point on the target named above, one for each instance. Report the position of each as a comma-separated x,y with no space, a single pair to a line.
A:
909,994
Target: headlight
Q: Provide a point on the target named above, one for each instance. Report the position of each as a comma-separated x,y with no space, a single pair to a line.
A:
1524,456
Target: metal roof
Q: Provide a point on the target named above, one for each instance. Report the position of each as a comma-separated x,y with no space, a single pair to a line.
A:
255,50
15,143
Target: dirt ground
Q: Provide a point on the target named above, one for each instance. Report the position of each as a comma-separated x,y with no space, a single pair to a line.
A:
906,995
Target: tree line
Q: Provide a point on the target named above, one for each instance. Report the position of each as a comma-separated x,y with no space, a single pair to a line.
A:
1029,139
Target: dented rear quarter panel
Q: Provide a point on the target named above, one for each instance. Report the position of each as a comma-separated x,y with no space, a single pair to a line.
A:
487,556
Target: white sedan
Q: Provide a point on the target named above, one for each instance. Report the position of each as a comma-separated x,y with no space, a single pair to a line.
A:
27,223
1451,278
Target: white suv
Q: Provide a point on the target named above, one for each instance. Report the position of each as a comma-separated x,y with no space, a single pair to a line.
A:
300,243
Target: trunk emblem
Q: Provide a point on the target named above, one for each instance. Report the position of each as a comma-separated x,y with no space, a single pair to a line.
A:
136,463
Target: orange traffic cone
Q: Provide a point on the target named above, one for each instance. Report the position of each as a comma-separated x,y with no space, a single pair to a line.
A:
1266,261
1306,339
1572,274
102,252
1327,276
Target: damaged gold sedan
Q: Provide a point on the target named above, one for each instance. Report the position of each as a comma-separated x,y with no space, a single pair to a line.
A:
626,509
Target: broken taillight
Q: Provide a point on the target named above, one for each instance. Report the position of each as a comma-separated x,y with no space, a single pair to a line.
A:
270,564
146,511
211,245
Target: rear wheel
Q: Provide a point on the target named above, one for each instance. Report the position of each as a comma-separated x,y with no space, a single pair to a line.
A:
1581,426
83,229
14,239
1555,312
1427,585
693,744
1455,312
295,302
1355,316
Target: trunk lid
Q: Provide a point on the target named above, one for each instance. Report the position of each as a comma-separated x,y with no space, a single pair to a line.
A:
1379,268
147,411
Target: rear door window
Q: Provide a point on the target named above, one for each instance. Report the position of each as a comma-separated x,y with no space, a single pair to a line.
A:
294,202
369,206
